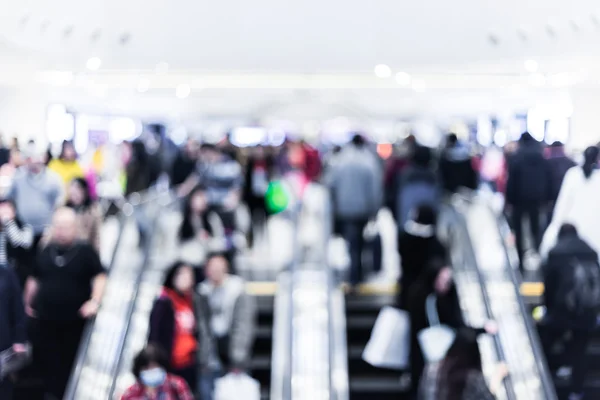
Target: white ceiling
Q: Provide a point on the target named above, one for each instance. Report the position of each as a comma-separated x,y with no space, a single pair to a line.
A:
304,36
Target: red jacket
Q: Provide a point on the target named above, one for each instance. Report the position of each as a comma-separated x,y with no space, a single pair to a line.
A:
174,388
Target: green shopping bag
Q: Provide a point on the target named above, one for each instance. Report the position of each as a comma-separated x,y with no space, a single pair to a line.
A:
277,197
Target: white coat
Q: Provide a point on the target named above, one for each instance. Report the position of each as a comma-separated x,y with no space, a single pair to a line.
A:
578,204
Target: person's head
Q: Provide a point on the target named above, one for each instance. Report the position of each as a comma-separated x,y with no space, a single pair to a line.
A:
191,148
462,358
180,278
210,153
64,226
150,366
34,158
358,140
590,160
527,138
451,140
567,230
216,269
68,152
79,193
421,156
259,153
197,202
557,145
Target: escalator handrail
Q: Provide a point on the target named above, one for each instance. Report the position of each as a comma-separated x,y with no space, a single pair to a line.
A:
510,393
327,231
538,353
114,374
87,334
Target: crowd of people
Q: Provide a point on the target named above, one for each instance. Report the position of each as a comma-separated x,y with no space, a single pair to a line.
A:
202,323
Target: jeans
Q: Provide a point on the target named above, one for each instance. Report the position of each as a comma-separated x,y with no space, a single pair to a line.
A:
207,383
353,233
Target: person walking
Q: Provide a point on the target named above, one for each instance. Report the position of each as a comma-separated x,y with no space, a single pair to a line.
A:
355,182
572,299
456,166
13,324
226,324
173,322
559,163
152,379
63,291
66,165
528,192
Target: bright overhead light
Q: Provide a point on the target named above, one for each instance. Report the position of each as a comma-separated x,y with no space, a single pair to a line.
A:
183,91
531,66
403,78
162,68
94,64
143,85
383,71
419,86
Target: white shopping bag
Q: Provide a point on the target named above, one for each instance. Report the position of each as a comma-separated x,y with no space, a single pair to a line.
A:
237,386
389,345
437,339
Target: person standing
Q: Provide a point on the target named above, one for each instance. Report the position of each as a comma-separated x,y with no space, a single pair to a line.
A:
226,324
259,172
173,322
15,240
456,166
184,164
356,185
63,291
572,298
66,165
12,322
528,191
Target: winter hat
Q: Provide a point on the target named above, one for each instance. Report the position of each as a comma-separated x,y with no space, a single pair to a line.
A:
422,222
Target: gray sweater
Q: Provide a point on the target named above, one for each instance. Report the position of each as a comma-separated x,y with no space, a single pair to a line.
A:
36,197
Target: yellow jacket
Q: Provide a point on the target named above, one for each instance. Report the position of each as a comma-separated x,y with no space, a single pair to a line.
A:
68,170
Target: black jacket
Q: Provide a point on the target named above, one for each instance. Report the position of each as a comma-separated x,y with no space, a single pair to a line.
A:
413,174
456,169
557,270
183,167
529,177
12,311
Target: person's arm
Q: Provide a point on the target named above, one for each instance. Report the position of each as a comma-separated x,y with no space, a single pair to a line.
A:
188,185
31,289
550,281
242,331
98,277
18,237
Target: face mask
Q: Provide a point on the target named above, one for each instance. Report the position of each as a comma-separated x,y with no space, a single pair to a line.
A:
153,377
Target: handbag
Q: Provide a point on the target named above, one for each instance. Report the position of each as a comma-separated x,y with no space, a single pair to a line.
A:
389,344
236,386
437,339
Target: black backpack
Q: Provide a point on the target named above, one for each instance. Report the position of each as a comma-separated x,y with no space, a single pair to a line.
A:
580,290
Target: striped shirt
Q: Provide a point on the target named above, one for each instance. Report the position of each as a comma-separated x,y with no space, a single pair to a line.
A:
16,237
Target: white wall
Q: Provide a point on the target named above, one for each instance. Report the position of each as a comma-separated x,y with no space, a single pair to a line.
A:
23,113
585,123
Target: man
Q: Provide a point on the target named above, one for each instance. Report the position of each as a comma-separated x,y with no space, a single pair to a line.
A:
356,184
456,167
12,322
572,298
528,191
559,163
184,163
227,323
64,290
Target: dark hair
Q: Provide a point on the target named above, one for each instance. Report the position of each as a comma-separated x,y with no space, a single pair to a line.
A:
87,197
567,230
358,140
152,353
171,272
186,231
590,160
421,156
452,139
462,358
139,155
526,137
557,144
66,143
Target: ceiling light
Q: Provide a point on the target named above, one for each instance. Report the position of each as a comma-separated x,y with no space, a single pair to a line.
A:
143,85
403,78
94,64
183,91
419,86
531,66
162,68
383,71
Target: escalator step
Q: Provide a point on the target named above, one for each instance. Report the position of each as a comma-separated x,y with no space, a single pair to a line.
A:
377,388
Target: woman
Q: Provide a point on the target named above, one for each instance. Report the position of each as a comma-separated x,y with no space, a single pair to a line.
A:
459,376
173,321
418,245
88,212
577,203
152,380
435,279
201,230
259,172
66,165
15,241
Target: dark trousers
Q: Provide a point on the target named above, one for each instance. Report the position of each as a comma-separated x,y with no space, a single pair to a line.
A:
258,218
55,346
352,231
189,375
573,353
532,213
6,389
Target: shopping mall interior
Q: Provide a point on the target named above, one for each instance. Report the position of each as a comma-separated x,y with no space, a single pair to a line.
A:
281,94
